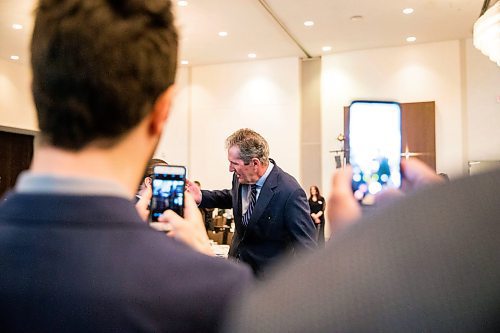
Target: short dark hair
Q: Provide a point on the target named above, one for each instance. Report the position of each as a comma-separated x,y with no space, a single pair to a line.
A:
99,66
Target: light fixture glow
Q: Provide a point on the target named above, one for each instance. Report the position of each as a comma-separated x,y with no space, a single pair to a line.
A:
182,3
184,62
17,26
326,48
486,35
252,55
223,33
308,23
408,11
14,57
411,39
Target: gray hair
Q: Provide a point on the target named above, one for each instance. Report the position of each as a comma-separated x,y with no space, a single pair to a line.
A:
251,145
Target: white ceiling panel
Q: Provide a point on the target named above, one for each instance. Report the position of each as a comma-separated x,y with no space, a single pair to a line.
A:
252,29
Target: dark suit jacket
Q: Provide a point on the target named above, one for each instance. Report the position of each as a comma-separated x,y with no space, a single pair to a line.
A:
280,221
89,264
428,263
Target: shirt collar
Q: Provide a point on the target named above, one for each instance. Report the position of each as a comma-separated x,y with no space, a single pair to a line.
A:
262,179
29,182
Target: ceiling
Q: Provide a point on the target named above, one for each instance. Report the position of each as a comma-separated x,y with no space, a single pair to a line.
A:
275,28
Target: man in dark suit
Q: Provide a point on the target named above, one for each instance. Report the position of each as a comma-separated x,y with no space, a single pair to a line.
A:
74,254
426,263
270,208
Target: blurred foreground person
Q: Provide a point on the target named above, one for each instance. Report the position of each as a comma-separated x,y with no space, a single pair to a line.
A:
75,255
428,262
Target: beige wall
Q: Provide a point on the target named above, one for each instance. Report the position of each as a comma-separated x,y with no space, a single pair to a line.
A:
16,104
174,143
311,148
263,95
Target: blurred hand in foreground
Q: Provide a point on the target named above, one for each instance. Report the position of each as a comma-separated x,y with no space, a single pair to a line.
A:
343,209
190,229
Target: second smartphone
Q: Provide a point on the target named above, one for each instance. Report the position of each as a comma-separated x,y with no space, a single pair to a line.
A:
374,147
168,190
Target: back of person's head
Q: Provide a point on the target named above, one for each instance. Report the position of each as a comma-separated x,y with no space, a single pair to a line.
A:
99,66
251,145
154,162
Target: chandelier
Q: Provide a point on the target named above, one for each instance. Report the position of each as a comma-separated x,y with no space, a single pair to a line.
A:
487,31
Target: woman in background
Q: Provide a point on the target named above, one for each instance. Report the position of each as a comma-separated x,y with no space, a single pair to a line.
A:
317,206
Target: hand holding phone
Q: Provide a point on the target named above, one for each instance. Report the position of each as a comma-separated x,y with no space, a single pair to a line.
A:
374,147
168,190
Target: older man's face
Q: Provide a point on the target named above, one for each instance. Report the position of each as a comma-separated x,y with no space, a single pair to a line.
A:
246,174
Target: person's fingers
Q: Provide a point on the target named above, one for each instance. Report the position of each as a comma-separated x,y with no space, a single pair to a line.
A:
191,210
417,174
189,183
342,208
169,216
341,181
189,229
194,190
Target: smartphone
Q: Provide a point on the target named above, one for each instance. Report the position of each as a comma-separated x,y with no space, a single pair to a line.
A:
168,190
374,150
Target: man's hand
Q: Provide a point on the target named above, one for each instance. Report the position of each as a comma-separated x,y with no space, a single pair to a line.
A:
416,174
342,209
194,190
189,229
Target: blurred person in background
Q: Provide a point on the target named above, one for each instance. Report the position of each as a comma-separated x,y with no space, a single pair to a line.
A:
317,205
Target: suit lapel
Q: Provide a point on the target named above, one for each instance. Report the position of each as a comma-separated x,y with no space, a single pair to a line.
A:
266,194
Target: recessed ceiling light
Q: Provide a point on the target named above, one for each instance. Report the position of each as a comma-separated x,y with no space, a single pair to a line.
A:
17,26
356,18
184,62
252,55
408,11
411,39
222,33
326,48
182,3
14,57
308,23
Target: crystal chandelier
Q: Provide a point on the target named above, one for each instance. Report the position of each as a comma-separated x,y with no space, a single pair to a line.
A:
487,32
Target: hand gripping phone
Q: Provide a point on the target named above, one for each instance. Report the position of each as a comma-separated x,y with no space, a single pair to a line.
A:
168,190
374,147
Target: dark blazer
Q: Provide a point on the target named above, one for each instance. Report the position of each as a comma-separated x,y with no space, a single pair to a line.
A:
428,263
280,222
89,264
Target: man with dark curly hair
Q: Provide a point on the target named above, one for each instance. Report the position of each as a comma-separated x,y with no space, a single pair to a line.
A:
75,255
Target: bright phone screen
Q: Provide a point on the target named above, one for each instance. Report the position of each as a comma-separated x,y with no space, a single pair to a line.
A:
374,147
168,190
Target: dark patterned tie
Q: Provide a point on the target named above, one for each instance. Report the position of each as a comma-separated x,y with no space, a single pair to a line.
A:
251,204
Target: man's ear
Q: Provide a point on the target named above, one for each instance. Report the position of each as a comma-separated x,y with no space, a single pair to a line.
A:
161,110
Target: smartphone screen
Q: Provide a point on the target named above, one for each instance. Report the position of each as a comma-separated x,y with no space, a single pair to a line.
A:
168,190
374,147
